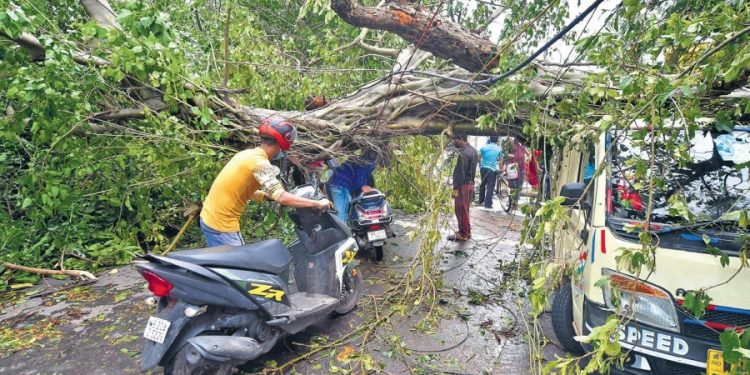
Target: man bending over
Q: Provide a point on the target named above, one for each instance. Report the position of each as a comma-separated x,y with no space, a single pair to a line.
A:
250,175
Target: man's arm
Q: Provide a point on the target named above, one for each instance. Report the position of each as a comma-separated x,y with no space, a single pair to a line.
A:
274,189
459,171
291,200
363,177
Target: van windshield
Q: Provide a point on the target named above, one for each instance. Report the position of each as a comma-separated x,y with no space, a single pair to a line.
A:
705,177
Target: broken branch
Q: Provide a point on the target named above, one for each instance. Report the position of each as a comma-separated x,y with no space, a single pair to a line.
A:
44,271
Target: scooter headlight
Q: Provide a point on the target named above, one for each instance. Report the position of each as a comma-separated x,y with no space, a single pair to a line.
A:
643,301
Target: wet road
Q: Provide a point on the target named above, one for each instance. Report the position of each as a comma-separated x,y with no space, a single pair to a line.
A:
96,328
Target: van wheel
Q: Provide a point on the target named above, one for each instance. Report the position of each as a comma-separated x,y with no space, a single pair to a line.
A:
562,318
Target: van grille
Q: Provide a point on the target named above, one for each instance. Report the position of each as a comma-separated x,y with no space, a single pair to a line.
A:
674,368
697,330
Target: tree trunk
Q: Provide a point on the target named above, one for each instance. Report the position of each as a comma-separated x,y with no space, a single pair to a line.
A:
424,28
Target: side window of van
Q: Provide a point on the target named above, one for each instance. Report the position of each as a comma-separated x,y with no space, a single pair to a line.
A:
588,167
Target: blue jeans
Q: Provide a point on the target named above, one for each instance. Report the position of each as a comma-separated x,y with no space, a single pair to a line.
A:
487,187
216,238
341,199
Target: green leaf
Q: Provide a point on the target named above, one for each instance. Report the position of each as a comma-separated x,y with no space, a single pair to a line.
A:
696,302
713,250
626,85
744,352
26,203
613,348
722,122
730,341
724,260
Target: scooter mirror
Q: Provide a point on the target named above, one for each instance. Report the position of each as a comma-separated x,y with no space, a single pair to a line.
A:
305,191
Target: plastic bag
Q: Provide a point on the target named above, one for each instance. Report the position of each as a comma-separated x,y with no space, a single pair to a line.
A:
725,146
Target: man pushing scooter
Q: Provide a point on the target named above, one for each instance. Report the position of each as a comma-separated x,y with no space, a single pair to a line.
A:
250,175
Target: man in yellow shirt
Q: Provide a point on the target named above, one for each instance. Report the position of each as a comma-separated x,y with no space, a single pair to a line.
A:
250,175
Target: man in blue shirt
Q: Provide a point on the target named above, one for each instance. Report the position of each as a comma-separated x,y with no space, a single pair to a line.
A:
491,153
590,170
348,178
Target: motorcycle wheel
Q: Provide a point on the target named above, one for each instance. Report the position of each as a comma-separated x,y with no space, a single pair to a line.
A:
351,293
378,253
178,365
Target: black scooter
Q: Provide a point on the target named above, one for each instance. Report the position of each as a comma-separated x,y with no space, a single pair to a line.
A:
222,306
370,218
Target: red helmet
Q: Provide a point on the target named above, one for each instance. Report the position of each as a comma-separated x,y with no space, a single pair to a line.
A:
279,129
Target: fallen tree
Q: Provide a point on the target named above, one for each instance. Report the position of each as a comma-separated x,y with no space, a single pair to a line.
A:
150,128
400,102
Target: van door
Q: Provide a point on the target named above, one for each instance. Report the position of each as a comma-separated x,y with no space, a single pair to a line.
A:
571,242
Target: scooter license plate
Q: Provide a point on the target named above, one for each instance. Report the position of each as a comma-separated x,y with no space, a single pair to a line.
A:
156,329
376,235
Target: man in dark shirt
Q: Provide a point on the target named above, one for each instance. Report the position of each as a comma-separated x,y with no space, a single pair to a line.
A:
463,186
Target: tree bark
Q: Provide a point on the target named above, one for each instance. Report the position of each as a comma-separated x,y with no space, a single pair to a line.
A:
101,12
424,28
31,44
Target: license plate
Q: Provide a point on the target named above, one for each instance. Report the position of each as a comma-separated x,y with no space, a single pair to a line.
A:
376,235
156,329
715,363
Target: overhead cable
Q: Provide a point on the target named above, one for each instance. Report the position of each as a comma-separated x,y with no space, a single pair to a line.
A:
492,80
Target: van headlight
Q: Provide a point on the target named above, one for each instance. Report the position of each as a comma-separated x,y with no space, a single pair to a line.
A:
640,300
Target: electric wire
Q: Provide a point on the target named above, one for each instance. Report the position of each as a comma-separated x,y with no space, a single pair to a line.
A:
517,68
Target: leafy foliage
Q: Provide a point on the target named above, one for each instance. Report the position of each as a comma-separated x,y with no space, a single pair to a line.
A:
411,178
95,199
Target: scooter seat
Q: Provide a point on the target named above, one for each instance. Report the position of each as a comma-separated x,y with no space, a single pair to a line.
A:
265,256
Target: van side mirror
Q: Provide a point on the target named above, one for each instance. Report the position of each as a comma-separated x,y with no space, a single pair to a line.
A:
572,192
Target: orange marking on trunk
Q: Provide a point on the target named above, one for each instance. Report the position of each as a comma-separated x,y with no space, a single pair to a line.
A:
403,17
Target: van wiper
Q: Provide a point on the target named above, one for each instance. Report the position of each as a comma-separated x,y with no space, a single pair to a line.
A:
699,224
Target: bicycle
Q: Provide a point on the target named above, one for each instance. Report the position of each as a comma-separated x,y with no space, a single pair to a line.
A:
503,192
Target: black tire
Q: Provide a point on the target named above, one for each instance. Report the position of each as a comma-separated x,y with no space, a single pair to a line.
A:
178,365
352,292
562,318
378,253
503,194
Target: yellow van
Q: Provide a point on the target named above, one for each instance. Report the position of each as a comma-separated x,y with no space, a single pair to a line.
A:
698,225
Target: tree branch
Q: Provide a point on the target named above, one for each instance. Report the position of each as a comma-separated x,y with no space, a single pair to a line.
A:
436,35
30,43
43,271
121,114
86,58
101,12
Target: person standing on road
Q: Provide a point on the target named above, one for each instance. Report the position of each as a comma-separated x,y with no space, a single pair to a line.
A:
517,156
491,153
250,175
463,186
